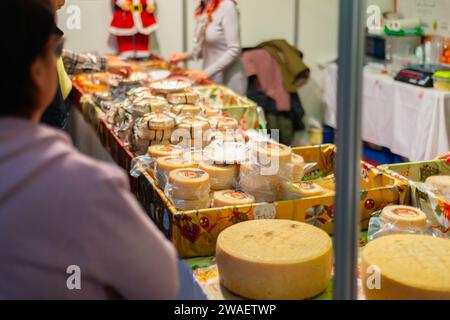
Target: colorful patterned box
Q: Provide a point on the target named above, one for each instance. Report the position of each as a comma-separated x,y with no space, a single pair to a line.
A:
194,233
436,207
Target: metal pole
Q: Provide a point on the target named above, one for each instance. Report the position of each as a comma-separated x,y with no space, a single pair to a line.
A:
296,22
184,25
349,147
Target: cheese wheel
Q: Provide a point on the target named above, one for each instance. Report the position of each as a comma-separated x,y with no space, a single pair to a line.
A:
267,153
440,183
166,164
301,190
412,267
186,109
195,156
193,123
404,217
265,188
183,98
220,176
274,260
159,121
189,205
189,184
159,151
298,167
227,198
212,112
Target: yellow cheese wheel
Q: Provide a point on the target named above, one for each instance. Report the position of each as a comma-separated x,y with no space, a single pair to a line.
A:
440,183
410,267
159,121
298,167
193,123
158,151
166,164
267,153
265,188
212,112
301,190
189,184
233,198
186,109
195,156
274,260
188,205
220,176
227,124
183,98
404,216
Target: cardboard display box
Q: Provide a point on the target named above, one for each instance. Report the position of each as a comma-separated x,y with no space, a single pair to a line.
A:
436,207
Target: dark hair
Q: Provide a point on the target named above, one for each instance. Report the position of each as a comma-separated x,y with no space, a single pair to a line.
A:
28,26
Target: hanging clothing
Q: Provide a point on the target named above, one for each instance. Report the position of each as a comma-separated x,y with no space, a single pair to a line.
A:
290,59
260,63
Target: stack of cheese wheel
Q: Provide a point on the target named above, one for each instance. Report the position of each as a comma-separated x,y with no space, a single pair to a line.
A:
183,98
221,176
186,109
406,267
191,131
195,156
152,129
158,151
189,189
223,124
264,187
262,177
212,112
299,190
166,164
143,105
298,167
404,217
231,198
440,183
274,260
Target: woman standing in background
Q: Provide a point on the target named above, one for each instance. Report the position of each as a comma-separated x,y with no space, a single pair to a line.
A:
218,42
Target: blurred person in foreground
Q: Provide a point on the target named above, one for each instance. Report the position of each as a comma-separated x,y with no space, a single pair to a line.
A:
59,208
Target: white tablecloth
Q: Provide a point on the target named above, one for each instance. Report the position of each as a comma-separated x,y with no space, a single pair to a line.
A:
412,122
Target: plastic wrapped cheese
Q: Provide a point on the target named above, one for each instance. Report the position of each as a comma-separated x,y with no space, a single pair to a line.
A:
226,198
406,267
188,205
274,260
158,151
272,154
183,98
265,188
441,184
404,217
220,176
188,184
186,109
166,164
298,190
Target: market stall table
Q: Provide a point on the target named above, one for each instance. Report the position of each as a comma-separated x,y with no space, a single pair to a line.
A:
411,121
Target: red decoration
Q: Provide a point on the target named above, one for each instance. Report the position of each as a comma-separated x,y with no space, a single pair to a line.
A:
133,21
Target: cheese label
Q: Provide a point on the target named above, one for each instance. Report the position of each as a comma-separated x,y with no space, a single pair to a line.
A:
235,195
191,174
405,212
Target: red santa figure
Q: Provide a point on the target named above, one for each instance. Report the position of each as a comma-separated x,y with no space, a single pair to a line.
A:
133,22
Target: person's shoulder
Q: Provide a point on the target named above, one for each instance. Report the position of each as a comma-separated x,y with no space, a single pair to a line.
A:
228,5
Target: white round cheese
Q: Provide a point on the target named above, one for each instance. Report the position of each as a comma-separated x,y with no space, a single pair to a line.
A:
406,267
274,260
158,151
220,176
231,198
301,190
189,184
440,183
404,216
